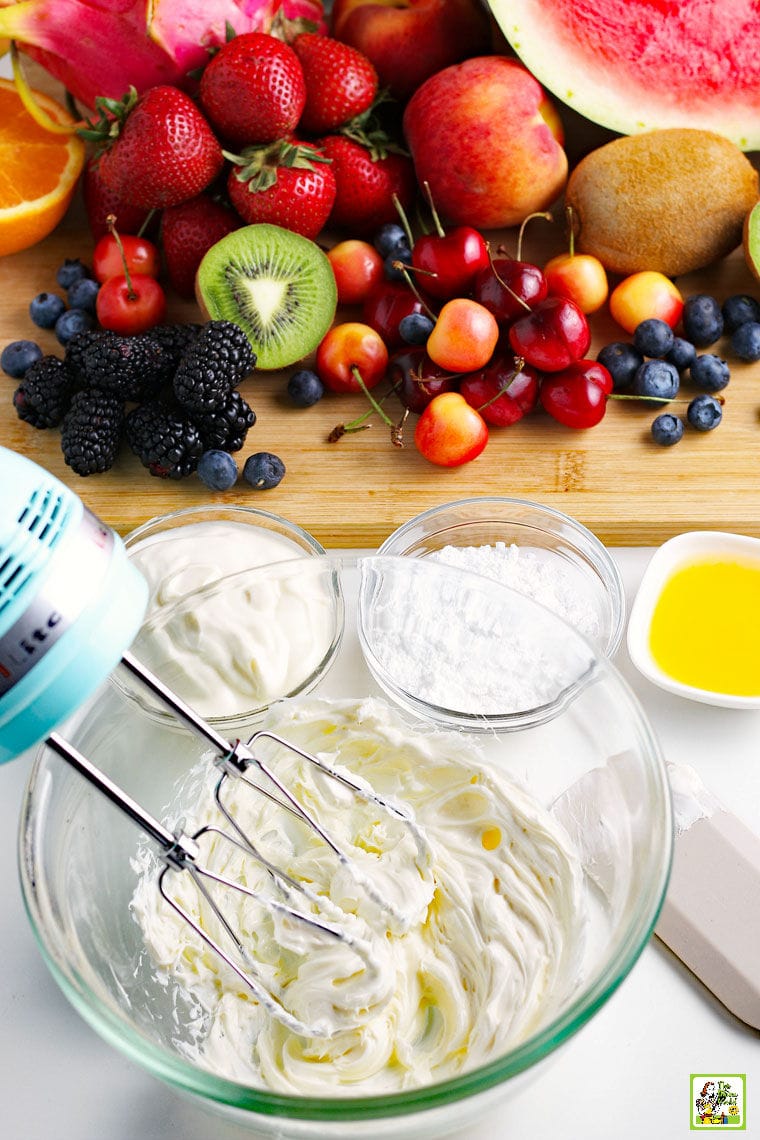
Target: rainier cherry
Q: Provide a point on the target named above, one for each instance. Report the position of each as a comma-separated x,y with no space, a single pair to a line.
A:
644,295
503,392
552,336
449,432
577,396
464,336
357,267
351,357
579,276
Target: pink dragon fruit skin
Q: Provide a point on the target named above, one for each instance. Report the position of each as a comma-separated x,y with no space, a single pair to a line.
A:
102,47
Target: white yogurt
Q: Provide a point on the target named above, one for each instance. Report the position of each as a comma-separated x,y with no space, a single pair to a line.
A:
258,639
495,920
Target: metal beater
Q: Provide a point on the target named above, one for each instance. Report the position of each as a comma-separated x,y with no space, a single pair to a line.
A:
60,637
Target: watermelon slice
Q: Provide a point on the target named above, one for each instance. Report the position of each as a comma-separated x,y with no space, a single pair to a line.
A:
637,65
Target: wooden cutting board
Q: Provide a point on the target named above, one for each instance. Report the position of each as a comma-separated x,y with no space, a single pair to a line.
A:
355,492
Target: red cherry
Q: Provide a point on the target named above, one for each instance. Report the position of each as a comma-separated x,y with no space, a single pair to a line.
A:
141,256
127,305
450,260
449,432
577,396
554,335
501,287
387,304
502,392
416,379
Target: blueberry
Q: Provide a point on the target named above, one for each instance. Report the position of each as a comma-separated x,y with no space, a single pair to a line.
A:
72,270
622,361
45,309
18,357
667,429
702,320
305,388
653,337
263,470
388,238
682,354
745,341
70,323
217,470
710,373
656,378
404,254
415,328
704,413
738,309
83,294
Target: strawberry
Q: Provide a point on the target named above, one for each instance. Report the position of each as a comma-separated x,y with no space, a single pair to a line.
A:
188,231
366,181
159,148
99,202
253,90
340,82
288,184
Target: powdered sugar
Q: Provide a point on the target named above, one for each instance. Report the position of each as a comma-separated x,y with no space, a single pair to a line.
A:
539,574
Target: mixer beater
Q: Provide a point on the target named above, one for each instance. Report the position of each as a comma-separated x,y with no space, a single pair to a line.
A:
61,635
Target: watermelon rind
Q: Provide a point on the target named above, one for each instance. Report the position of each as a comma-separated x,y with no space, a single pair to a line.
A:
632,66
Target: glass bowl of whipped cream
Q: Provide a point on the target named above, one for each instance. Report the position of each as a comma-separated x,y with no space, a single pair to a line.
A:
532,548
466,903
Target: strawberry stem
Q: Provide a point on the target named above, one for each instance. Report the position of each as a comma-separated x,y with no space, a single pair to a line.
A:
111,223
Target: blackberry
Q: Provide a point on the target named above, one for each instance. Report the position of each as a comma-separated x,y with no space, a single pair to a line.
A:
75,349
175,340
219,358
164,440
225,428
130,367
43,396
92,431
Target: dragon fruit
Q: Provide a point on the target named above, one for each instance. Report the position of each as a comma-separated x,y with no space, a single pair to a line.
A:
102,47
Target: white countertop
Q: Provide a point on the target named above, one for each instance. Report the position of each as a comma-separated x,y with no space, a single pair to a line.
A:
625,1075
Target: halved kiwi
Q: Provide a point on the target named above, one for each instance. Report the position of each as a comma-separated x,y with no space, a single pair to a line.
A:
752,240
277,285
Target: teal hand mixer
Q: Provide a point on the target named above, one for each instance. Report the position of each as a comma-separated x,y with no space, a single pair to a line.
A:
71,603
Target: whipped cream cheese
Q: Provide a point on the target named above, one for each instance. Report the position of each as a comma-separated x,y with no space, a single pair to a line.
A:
258,639
493,918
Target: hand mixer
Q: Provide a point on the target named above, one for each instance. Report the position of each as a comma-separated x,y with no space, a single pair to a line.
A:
71,603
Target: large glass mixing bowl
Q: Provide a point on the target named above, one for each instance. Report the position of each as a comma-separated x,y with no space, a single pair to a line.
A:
570,731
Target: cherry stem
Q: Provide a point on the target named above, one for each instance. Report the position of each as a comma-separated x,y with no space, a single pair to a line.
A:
111,223
503,283
436,220
146,223
658,399
397,430
539,214
404,220
570,215
405,269
380,410
519,365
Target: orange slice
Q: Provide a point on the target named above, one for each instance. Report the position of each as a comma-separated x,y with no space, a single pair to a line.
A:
38,170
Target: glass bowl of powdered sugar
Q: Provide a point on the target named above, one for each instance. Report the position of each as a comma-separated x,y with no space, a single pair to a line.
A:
533,549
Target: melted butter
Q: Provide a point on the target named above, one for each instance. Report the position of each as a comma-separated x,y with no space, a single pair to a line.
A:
705,629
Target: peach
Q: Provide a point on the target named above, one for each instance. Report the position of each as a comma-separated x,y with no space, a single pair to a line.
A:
487,139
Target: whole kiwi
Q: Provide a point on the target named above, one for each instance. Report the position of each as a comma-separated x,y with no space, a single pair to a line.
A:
670,200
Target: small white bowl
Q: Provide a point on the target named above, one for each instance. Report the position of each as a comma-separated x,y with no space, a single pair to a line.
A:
678,552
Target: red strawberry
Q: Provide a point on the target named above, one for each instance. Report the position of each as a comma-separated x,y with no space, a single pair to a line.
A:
366,182
253,90
187,233
288,184
165,152
99,202
340,82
